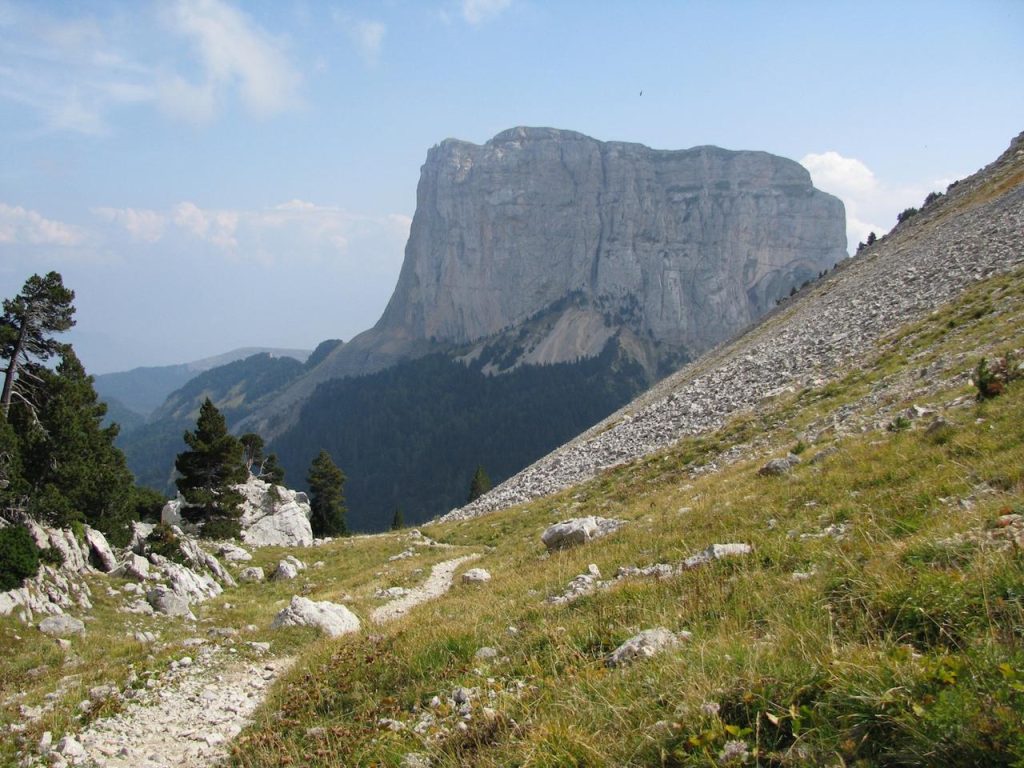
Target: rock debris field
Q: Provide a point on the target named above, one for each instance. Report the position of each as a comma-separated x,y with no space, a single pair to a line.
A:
932,257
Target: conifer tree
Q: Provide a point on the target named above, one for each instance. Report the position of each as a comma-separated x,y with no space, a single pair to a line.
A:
41,309
209,469
480,484
272,471
68,459
398,521
326,496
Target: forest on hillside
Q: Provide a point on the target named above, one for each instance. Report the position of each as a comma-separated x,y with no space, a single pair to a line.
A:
411,437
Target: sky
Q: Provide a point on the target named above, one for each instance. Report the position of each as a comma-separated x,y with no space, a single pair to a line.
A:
213,174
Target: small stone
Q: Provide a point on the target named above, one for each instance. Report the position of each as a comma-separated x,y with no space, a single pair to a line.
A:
646,644
486,653
475,576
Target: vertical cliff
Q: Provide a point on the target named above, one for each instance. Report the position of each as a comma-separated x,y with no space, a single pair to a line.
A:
683,247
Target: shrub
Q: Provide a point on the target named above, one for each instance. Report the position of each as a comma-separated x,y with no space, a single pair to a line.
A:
19,557
164,542
906,214
220,528
991,379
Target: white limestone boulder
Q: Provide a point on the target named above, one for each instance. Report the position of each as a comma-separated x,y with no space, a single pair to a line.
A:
100,550
333,619
274,516
646,644
570,533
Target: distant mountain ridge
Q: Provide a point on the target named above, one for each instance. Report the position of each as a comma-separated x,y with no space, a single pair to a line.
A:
143,390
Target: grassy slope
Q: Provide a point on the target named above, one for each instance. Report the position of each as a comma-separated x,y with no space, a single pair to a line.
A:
903,648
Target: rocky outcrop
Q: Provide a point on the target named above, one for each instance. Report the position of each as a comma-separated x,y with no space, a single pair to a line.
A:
274,516
971,233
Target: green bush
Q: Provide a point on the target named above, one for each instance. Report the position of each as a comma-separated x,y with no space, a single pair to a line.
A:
220,528
19,557
164,542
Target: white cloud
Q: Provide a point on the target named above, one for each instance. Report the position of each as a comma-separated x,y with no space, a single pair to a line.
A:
20,226
141,224
478,11
216,227
871,203
368,36
233,51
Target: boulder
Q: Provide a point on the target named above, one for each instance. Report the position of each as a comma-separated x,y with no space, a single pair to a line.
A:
331,618
475,576
580,530
140,532
288,527
168,602
233,553
777,467
99,550
285,571
134,567
61,626
251,575
646,644
171,512
186,583
274,516
200,557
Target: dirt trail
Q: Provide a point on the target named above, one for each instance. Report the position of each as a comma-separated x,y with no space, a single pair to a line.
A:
439,582
189,719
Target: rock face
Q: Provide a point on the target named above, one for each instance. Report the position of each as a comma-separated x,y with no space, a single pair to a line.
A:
692,244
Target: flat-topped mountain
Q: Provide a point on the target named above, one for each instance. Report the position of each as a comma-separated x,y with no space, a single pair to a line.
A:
668,252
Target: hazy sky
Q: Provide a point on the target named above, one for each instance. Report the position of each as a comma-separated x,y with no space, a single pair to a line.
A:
210,174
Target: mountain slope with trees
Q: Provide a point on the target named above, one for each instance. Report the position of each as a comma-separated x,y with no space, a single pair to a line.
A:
413,435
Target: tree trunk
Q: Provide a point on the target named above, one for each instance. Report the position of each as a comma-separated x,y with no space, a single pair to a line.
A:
12,370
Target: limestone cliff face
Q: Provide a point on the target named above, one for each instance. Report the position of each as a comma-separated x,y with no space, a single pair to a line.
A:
685,247
670,252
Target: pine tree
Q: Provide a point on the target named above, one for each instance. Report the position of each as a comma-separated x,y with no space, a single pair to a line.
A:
209,469
68,459
272,471
252,451
326,496
480,485
397,522
42,308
